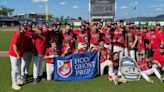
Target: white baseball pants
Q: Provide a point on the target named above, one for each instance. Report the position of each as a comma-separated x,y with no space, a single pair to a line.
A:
15,70
49,70
108,64
145,74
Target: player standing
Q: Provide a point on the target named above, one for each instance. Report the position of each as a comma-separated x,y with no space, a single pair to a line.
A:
16,52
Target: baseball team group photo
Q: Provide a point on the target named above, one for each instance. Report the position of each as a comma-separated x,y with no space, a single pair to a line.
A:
81,46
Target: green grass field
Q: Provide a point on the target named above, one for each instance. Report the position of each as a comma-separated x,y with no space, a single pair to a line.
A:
5,38
99,84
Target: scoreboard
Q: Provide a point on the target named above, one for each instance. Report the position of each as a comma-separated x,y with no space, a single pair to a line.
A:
102,8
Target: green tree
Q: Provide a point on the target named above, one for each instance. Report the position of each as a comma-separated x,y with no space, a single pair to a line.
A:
5,11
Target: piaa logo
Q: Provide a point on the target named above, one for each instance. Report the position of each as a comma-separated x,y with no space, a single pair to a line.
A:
64,68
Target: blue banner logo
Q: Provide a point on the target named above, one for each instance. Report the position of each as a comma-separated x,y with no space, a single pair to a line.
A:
76,67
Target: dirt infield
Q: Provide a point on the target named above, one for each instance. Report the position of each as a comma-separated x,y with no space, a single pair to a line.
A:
3,53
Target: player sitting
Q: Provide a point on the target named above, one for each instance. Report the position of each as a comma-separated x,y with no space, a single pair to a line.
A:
143,64
114,75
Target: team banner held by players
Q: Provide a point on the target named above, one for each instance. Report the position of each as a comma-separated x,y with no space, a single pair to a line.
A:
76,66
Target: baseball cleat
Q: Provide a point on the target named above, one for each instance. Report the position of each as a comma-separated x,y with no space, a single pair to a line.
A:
150,81
115,81
161,79
35,81
16,87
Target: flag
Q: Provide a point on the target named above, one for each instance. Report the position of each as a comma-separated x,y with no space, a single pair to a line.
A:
76,66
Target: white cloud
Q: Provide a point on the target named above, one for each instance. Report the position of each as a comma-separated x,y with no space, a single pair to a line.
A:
40,0
124,7
156,6
158,9
75,6
63,3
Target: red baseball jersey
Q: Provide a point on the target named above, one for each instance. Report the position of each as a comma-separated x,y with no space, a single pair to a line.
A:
41,43
29,41
159,57
154,41
104,54
82,37
18,40
143,65
107,38
94,37
68,37
49,52
141,41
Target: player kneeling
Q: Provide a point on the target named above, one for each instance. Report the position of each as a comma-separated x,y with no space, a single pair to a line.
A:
49,55
144,64
104,55
115,74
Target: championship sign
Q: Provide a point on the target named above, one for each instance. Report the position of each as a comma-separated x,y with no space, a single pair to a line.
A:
76,66
129,69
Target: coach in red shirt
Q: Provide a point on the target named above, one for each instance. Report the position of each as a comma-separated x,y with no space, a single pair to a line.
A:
41,43
16,52
158,57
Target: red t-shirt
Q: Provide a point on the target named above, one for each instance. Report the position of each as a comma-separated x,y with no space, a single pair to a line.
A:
154,41
49,52
133,31
119,37
69,40
158,57
141,41
41,43
107,38
143,65
19,40
68,37
29,43
103,54
82,37
94,37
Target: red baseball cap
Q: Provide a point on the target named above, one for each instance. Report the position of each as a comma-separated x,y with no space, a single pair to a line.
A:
161,47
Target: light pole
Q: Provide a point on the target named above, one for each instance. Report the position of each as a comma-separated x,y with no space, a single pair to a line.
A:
46,7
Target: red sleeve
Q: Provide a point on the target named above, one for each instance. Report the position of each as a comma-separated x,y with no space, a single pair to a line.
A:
15,38
155,56
47,52
76,32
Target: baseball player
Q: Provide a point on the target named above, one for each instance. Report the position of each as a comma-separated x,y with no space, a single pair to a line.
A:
68,38
16,52
143,65
82,36
118,41
27,57
158,57
41,42
104,55
94,36
49,55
